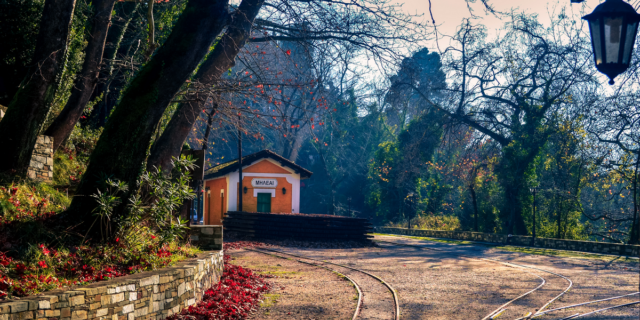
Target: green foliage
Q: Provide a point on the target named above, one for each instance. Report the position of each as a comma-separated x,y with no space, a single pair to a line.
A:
560,173
18,33
71,159
154,204
395,174
338,153
430,222
27,199
74,59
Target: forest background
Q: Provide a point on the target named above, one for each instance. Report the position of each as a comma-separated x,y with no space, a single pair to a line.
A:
457,137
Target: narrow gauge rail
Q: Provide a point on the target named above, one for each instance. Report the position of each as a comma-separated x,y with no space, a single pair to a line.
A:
396,310
540,314
494,314
355,284
580,315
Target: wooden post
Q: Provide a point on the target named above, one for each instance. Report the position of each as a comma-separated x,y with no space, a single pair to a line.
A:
240,170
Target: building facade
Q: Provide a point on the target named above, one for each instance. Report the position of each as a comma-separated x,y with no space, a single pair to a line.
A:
270,183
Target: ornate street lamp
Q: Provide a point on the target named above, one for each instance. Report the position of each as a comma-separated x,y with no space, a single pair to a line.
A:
613,25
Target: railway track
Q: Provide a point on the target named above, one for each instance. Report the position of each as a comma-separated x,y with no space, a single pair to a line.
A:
540,311
368,294
503,308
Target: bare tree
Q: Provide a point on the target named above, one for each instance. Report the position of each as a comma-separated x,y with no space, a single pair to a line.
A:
515,89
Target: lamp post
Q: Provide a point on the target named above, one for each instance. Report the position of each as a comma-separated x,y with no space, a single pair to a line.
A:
613,25
533,240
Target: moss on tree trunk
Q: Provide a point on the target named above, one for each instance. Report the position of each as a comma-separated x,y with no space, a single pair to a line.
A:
81,92
28,109
221,59
121,151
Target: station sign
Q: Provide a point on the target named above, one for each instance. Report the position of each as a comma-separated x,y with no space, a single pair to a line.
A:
264,183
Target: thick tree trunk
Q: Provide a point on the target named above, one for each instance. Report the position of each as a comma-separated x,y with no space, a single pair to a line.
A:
28,110
125,13
516,161
62,126
512,188
221,59
122,148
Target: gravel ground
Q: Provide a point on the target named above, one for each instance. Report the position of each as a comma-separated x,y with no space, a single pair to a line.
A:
300,291
456,284
377,300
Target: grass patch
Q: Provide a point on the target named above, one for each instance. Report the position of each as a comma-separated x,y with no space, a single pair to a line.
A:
429,239
527,250
270,299
565,254
277,273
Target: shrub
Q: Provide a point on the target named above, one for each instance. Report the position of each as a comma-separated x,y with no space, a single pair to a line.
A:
36,254
431,222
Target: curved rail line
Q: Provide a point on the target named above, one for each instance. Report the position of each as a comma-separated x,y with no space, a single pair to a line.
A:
355,284
550,301
582,304
579,315
502,308
391,289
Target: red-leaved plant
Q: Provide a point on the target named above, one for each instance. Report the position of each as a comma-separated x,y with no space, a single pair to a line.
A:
236,295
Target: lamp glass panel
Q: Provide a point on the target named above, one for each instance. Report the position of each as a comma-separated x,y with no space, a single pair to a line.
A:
612,38
632,28
596,38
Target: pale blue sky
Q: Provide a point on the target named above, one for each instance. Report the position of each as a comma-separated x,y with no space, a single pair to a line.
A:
449,13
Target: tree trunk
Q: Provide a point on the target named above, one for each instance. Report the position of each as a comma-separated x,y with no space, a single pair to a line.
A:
297,144
515,224
512,177
221,59
121,151
125,12
207,131
634,235
474,201
558,216
28,110
81,92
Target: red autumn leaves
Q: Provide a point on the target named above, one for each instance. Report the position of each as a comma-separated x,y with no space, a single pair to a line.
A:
234,297
79,265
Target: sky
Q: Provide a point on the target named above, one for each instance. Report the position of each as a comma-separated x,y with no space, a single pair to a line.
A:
449,13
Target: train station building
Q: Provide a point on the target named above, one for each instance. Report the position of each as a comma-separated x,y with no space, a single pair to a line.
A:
270,183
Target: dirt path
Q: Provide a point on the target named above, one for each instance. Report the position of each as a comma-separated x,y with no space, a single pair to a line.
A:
436,280
592,279
300,291
378,300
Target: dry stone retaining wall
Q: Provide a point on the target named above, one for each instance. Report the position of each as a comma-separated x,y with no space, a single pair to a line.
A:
573,245
206,237
147,295
41,165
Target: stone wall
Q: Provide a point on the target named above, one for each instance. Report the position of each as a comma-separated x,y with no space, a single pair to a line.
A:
41,166
146,295
573,245
206,237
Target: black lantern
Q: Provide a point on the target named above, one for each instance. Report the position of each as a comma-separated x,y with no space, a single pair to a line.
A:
613,25
245,189
284,191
